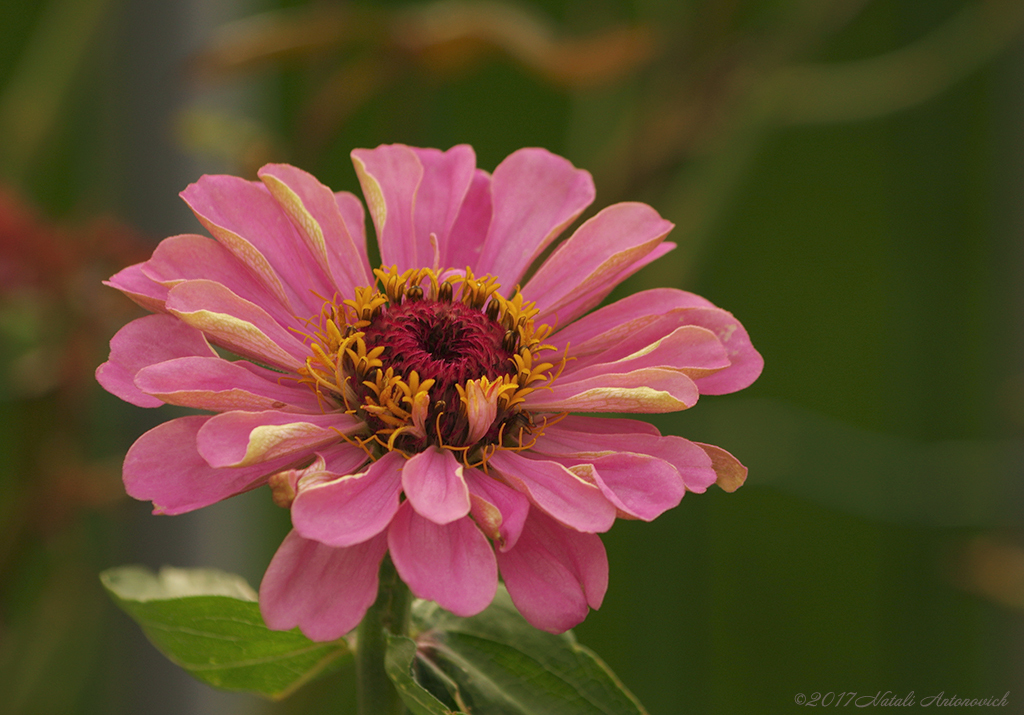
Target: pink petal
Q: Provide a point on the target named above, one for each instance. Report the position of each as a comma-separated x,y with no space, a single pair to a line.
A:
587,438
236,324
596,253
692,350
580,304
554,575
314,212
447,177
661,311
535,195
569,498
191,257
324,591
164,466
433,484
606,325
244,217
730,474
216,384
354,216
238,439
639,485
352,508
452,564
143,342
649,390
746,362
139,287
499,510
467,236
605,425
390,175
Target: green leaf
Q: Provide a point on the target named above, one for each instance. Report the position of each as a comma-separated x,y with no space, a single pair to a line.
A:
497,663
399,666
209,623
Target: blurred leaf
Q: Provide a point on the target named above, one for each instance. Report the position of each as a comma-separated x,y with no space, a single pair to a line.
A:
865,89
209,623
952,483
497,663
31,102
48,647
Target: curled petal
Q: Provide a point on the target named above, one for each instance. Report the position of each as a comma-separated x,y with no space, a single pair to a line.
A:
212,383
587,438
191,257
480,398
135,284
595,255
609,324
323,590
236,324
143,342
657,313
452,564
328,464
639,485
694,351
584,302
729,472
433,483
245,217
164,467
352,508
554,574
648,390
500,511
314,212
238,439
565,495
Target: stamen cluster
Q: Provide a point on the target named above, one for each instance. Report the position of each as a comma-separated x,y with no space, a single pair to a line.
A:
432,358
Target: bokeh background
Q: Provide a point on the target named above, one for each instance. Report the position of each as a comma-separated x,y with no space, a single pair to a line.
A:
846,176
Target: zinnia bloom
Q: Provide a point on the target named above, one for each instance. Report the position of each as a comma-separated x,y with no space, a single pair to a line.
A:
424,408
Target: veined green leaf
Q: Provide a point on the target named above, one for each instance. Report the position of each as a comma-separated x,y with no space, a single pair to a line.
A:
497,663
209,623
399,666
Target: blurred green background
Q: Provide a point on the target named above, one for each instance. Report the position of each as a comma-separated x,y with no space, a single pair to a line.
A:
846,176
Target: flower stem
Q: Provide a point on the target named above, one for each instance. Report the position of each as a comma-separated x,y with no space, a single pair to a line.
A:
389,614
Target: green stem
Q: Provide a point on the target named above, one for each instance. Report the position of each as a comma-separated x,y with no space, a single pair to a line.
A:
389,614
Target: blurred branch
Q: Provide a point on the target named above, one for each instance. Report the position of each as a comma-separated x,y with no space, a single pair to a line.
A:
31,102
992,569
877,86
365,51
454,33
284,35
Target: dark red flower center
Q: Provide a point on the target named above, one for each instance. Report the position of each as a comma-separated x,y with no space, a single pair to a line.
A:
448,342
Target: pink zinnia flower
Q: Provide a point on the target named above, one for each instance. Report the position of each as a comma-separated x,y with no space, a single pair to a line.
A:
422,409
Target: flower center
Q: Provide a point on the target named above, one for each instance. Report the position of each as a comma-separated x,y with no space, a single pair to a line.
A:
448,342
430,361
